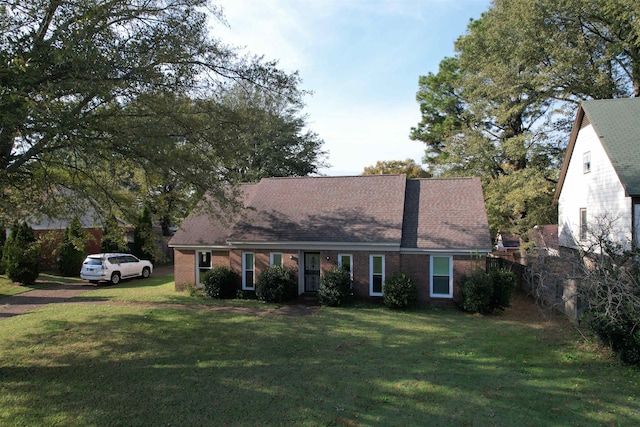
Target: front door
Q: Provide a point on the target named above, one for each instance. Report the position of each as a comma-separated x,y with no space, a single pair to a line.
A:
311,271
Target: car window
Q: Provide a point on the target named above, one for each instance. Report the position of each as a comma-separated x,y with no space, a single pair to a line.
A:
93,261
130,258
115,260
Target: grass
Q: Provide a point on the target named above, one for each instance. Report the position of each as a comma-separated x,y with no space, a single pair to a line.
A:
95,364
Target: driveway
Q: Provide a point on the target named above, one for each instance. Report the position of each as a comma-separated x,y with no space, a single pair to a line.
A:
25,302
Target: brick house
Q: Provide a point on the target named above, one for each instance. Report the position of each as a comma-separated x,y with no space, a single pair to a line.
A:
435,230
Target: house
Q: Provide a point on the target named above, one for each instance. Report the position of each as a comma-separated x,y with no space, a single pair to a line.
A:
599,185
435,230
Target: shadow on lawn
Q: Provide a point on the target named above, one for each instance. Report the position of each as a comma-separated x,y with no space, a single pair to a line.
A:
340,367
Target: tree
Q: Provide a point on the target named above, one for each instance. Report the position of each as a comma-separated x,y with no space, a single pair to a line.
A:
500,108
73,250
72,74
408,167
143,242
21,255
112,237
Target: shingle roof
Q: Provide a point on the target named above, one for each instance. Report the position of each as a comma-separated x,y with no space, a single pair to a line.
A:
617,123
445,214
373,209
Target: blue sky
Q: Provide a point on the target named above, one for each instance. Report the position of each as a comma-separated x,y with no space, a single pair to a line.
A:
362,60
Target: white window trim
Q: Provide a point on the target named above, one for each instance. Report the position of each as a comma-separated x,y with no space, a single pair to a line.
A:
245,269
272,255
350,263
198,268
431,293
371,293
586,162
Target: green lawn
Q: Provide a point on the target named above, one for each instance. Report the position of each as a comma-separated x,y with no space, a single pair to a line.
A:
95,364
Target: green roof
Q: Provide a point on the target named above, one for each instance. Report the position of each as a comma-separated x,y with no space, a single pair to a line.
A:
617,124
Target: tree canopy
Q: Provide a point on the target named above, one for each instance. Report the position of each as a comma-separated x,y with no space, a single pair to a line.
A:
501,107
104,100
408,167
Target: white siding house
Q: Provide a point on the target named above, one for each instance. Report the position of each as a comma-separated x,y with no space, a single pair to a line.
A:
600,178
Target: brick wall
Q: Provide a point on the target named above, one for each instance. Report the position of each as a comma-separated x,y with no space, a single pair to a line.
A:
415,265
184,268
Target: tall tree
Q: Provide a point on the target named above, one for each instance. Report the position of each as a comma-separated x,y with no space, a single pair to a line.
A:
71,69
408,167
500,108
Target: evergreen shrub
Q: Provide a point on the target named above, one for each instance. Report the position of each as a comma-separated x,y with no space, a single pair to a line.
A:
399,291
221,283
484,293
335,287
21,255
276,284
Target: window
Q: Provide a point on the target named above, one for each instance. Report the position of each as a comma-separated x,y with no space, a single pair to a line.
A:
344,262
441,276
586,162
276,259
204,264
248,269
376,274
583,224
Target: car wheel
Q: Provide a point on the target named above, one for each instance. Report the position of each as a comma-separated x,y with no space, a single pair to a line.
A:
146,272
115,278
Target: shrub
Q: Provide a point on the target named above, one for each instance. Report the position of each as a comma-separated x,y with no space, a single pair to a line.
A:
504,284
21,255
220,283
476,292
623,336
143,244
276,284
485,293
399,291
335,287
73,250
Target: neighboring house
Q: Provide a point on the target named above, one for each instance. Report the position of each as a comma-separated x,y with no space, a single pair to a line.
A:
599,182
50,231
435,230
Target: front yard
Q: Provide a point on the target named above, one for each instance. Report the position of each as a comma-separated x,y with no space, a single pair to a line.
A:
123,363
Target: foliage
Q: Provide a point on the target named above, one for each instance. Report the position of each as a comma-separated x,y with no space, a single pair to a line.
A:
112,237
110,102
276,284
477,291
501,107
21,255
335,287
143,242
3,238
408,167
399,291
73,250
485,293
221,283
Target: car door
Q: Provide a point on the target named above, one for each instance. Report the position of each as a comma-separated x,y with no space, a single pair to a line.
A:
132,266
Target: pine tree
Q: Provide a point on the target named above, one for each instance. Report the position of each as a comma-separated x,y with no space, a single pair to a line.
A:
112,237
73,249
143,245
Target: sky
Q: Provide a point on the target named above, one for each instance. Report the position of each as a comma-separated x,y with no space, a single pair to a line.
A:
361,59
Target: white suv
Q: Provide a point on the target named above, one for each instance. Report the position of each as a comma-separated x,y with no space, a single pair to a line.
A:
113,267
